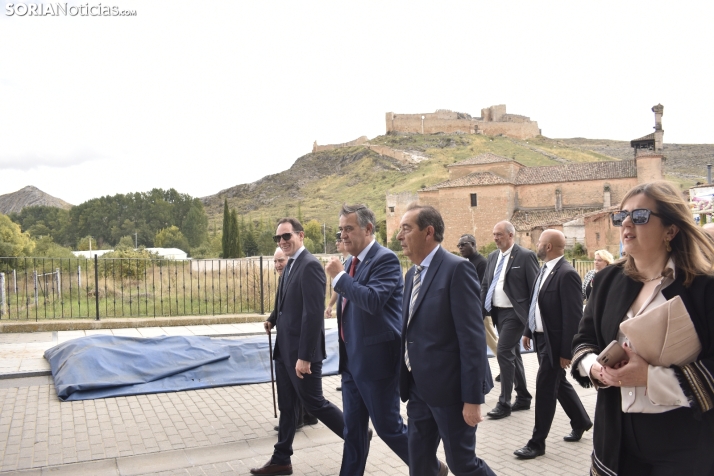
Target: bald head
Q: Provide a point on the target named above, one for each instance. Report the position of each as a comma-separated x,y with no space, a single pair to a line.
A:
279,259
551,245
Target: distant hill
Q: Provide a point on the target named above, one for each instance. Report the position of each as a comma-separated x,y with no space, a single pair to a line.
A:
318,183
29,197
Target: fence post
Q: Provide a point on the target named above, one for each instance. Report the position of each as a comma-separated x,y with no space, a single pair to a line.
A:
59,283
96,283
262,304
37,298
2,294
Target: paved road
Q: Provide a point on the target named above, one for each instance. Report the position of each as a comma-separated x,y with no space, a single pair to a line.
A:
223,430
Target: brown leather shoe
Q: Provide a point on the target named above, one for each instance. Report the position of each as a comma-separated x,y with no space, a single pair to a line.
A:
270,468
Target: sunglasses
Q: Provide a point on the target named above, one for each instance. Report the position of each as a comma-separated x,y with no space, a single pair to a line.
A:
461,245
284,236
639,216
338,236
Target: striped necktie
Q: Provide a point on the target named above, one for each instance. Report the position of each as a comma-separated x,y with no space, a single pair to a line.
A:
534,301
415,293
489,295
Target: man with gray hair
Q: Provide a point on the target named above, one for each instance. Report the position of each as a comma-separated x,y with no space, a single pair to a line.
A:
506,290
369,313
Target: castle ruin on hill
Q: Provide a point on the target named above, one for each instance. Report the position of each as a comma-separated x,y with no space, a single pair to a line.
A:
493,121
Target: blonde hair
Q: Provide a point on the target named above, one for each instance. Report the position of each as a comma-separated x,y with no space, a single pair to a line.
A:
605,256
692,250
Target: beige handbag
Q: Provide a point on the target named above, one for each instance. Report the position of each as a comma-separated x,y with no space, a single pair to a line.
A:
665,335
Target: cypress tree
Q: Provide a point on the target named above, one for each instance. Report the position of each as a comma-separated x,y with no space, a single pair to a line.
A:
225,240
234,244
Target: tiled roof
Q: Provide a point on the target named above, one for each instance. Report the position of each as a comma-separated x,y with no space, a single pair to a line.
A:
476,178
577,172
486,158
643,138
526,220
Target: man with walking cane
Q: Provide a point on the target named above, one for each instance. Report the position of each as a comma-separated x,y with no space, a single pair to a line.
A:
280,260
300,345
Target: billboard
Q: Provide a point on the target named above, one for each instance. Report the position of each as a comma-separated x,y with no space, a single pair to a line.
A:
701,202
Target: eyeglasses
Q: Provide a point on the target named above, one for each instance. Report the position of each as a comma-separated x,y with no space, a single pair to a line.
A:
284,236
461,245
639,216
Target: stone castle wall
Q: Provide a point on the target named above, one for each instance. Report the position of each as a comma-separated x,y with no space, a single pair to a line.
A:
493,121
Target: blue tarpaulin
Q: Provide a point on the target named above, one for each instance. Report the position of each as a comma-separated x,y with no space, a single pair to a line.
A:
110,366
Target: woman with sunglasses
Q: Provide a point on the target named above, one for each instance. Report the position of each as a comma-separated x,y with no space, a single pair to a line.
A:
651,420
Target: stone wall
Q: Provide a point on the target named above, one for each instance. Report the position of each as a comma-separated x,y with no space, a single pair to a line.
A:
649,167
493,121
600,234
584,194
397,204
352,143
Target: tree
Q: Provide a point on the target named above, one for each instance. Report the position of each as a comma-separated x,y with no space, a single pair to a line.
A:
195,225
45,247
84,244
125,243
227,232
250,245
171,237
234,241
13,242
313,231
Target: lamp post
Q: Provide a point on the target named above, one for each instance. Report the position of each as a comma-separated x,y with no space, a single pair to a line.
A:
324,237
136,240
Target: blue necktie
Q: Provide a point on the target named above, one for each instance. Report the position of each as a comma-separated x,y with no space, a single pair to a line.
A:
494,282
534,301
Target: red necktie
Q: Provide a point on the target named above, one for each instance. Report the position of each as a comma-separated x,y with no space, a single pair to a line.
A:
353,267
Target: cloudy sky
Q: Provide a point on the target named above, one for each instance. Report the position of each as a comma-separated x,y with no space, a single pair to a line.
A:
201,96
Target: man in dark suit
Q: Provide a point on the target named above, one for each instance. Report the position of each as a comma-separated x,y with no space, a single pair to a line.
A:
280,261
299,346
467,248
444,370
506,292
369,316
554,315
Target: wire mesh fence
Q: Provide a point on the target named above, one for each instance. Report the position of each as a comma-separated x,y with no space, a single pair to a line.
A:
46,288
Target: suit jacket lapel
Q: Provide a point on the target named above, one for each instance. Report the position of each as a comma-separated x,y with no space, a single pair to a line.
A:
431,271
287,279
367,259
511,258
547,279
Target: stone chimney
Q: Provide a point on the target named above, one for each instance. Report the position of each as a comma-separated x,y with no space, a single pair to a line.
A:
659,132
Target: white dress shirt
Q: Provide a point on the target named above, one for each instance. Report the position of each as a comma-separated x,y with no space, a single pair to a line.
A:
499,298
549,265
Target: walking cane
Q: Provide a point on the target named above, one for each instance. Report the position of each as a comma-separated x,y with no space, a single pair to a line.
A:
272,377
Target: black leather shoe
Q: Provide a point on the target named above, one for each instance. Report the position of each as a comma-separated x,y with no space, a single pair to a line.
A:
501,411
518,406
299,425
528,453
575,435
443,469
498,378
270,468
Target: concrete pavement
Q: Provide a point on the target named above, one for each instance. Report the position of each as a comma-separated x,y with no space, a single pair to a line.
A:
224,430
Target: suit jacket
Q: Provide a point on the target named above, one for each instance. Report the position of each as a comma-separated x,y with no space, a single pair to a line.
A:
299,313
372,318
446,336
561,308
521,272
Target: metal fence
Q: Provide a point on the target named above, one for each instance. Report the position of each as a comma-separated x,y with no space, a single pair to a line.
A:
45,288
